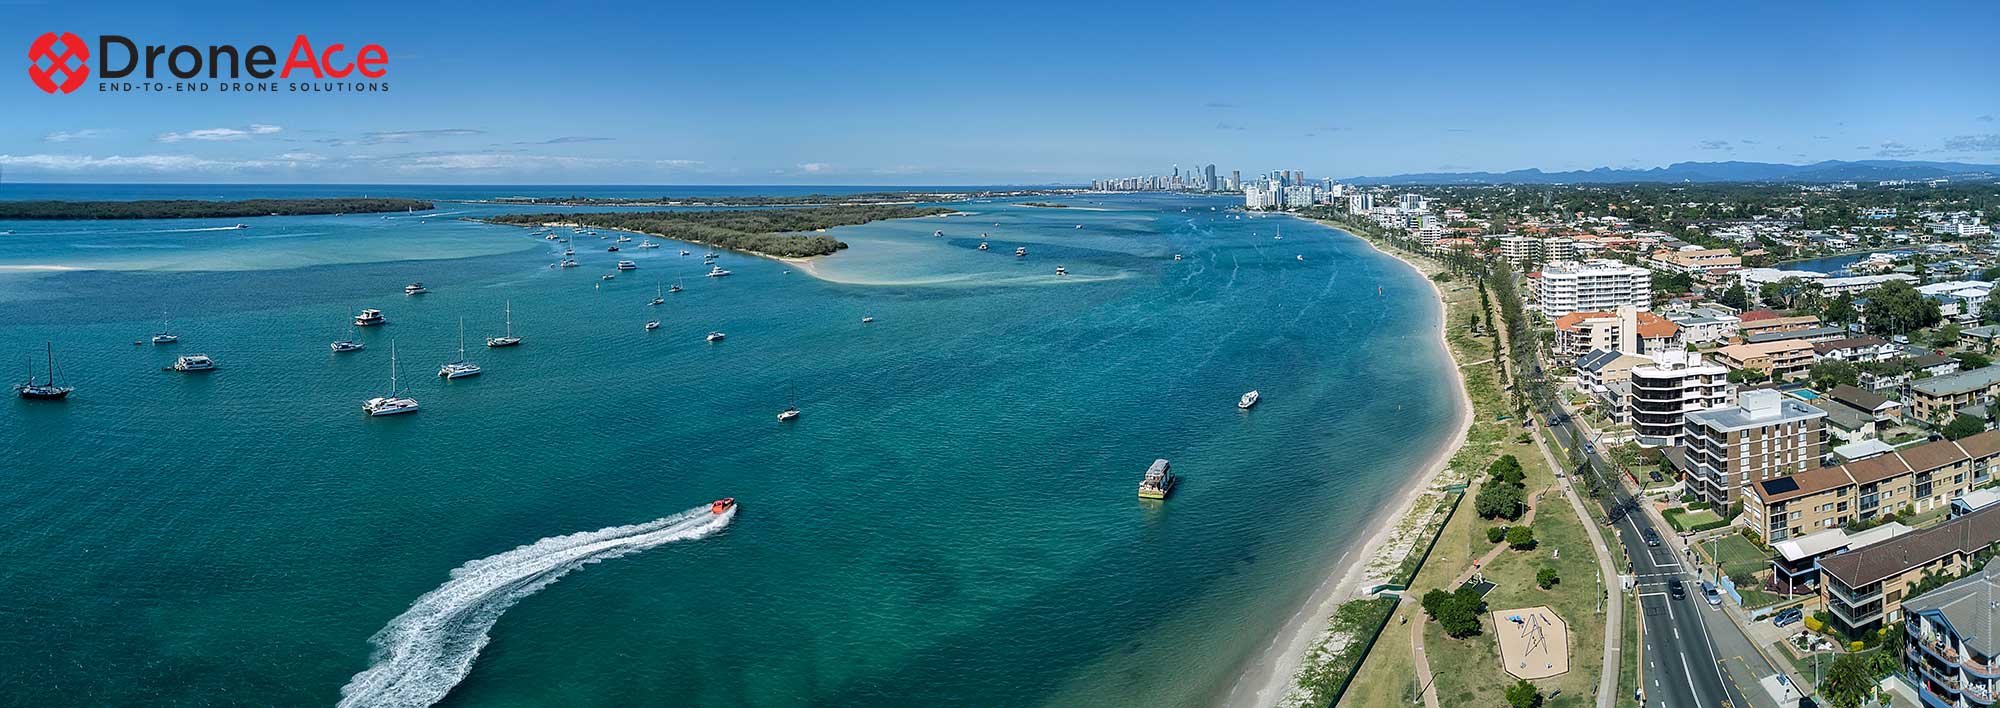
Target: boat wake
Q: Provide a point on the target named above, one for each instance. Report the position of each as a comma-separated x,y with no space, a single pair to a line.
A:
428,649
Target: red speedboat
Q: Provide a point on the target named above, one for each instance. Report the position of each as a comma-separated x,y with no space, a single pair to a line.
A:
722,505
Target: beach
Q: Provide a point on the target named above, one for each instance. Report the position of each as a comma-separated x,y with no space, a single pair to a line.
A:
1270,680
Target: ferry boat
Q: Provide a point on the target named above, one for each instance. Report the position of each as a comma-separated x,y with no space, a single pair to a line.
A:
1020,251
567,263
415,289
652,325
722,505
716,272
508,339
1061,271
194,362
628,265
369,318
47,391
164,337
1159,481
395,402
715,336
1248,400
459,368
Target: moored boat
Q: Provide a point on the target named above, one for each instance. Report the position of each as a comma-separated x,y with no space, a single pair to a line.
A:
369,318
194,362
43,391
1159,481
1248,400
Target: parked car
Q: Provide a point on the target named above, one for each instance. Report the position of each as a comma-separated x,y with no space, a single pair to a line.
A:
1652,538
1788,616
1710,593
1677,589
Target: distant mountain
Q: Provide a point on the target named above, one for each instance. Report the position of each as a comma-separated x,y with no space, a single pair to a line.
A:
1828,171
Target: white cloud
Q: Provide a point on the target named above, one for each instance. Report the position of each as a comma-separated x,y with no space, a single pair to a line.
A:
814,167
73,164
220,134
61,136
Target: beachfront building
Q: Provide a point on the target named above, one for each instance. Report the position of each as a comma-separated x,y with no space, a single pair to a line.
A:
1766,434
1594,285
1783,360
1919,478
1867,587
1795,562
1936,399
1628,330
1951,641
1661,395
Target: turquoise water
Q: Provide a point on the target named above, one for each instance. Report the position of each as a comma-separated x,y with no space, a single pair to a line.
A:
951,522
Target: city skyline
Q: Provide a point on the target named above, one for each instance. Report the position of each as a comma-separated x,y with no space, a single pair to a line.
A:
947,96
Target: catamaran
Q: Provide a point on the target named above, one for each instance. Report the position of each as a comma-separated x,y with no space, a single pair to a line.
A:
395,402
508,339
459,368
194,362
43,391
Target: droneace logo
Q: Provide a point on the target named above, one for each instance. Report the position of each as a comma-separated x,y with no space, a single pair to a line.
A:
60,63
46,60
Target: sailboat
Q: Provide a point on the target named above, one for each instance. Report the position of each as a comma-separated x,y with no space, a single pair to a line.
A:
459,368
395,402
676,288
165,337
508,339
659,297
43,391
350,344
791,411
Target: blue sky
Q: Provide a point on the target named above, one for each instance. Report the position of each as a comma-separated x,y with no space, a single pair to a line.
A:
1020,93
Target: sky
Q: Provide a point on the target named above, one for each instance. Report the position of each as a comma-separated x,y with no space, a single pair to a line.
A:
939,93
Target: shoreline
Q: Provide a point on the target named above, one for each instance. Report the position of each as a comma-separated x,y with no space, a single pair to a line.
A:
1271,678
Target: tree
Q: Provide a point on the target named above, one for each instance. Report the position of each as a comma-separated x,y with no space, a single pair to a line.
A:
1848,682
1435,601
1834,372
1989,311
1496,534
1972,360
1963,426
1499,500
1507,469
1521,538
1547,578
1736,298
1839,310
1897,308
1747,376
1523,695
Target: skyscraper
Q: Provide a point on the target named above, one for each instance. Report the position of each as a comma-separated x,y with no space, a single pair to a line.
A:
1208,177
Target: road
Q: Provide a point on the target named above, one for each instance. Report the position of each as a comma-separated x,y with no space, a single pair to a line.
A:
1683,667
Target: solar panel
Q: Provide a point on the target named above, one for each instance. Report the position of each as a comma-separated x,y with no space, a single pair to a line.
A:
1780,485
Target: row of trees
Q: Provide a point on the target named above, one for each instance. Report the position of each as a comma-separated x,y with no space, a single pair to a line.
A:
200,209
772,232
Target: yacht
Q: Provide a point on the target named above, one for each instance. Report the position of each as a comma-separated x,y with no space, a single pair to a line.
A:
684,252
865,319
194,362
567,263
652,325
715,336
369,318
1061,271
716,272
624,239
459,368
394,402
607,276
1248,400
415,289
164,337
1021,252
791,411
648,244
659,298
346,345
982,245
46,391
628,265
676,288
569,251
508,339
613,248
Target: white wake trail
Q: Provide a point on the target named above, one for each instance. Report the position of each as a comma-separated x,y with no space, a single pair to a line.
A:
428,649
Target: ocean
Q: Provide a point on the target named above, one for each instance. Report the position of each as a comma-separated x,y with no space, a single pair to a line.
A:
951,522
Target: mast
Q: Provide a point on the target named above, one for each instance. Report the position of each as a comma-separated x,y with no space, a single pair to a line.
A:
461,339
510,321
392,369
50,347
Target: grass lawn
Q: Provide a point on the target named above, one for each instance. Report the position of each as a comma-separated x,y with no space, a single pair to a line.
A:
1737,554
1628,654
1682,519
1754,598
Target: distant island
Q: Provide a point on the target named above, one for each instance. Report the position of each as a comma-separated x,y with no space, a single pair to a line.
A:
856,199
767,232
200,209
1045,205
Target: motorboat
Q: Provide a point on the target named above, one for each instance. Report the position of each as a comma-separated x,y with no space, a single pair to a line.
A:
1177,256
983,246
1021,252
867,319
721,505
624,239
716,272
193,363
1248,400
43,390
652,325
567,263
613,248
1061,271
346,345
715,336
369,318
607,276
415,289
648,244
628,265
684,252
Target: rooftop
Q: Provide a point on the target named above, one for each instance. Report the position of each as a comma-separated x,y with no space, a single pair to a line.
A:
1866,566
1755,408
1850,343
1961,382
1969,606
1807,333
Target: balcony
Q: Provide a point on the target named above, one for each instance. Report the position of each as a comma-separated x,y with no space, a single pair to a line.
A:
1850,597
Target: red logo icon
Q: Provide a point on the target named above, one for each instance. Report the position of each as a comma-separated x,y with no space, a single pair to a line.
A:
71,60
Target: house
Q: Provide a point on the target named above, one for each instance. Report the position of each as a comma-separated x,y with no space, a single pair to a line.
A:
1935,399
1846,424
1865,348
1865,588
1973,501
1882,409
1627,329
1782,359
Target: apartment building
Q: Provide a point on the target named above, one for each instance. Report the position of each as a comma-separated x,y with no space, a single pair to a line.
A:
1766,434
1951,636
1936,399
1795,563
1661,395
1628,330
1867,587
1784,359
1705,263
1705,325
1921,477
1766,325
1594,285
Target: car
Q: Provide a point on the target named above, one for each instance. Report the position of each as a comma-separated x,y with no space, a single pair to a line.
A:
1652,538
1710,593
1677,589
1589,449
1789,616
